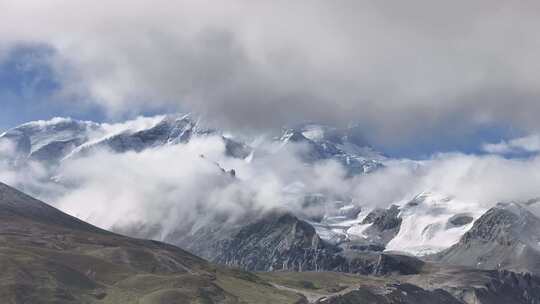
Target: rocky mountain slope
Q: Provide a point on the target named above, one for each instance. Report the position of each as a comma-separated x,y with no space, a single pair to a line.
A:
51,141
506,237
279,241
331,232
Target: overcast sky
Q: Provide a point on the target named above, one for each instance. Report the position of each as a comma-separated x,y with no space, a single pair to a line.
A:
417,76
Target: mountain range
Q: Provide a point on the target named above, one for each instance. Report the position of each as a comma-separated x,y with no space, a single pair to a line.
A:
429,248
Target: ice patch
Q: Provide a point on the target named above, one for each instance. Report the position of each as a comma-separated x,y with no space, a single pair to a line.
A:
424,227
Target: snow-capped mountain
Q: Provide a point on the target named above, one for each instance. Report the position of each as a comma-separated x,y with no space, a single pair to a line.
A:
48,141
432,222
324,142
169,130
52,141
59,138
507,236
426,224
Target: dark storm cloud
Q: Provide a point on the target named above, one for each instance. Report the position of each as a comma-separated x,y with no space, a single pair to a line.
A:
399,69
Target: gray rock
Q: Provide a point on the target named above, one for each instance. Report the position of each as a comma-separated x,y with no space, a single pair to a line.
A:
459,220
385,225
384,219
393,294
505,237
280,241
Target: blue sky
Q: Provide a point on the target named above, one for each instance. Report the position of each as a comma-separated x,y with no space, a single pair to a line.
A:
470,143
27,89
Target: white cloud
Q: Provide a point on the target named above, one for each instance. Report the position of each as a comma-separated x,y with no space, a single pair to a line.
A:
172,186
398,69
7,148
530,144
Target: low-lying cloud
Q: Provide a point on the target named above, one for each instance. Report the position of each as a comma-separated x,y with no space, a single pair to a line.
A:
175,186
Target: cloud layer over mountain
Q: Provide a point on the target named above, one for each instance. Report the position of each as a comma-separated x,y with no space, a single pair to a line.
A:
173,185
400,70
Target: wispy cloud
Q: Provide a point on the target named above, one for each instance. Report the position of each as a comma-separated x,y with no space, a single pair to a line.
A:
526,144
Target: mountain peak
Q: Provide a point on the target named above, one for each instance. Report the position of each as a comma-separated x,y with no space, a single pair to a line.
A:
506,236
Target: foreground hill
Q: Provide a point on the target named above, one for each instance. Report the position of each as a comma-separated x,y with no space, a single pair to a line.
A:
47,256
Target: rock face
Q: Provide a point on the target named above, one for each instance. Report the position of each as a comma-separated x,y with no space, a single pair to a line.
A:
385,224
280,241
384,219
393,293
459,220
508,287
505,237
473,286
479,287
381,226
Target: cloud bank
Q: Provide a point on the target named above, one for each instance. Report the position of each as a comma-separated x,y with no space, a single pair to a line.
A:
400,70
164,189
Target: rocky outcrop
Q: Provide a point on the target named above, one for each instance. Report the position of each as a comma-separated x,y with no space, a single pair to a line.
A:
445,285
278,241
459,220
384,219
393,294
281,241
384,225
506,237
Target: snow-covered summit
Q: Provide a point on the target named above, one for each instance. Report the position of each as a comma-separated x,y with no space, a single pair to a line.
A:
54,140
47,140
60,138
343,145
